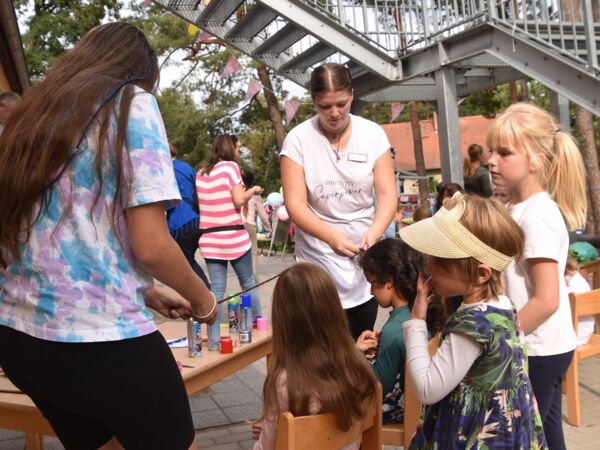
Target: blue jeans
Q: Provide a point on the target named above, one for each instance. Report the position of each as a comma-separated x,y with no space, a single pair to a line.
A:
217,271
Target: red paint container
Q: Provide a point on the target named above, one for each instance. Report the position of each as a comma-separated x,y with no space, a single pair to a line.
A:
226,345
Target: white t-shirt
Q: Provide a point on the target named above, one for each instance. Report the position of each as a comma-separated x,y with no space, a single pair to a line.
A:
341,194
545,237
576,284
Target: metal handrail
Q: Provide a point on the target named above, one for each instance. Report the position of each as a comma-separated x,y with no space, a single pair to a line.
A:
403,26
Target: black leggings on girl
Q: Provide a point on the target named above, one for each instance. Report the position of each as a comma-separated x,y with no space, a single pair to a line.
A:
546,374
362,317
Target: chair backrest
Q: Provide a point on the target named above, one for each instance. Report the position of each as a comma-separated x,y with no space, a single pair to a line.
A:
319,432
587,304
593,269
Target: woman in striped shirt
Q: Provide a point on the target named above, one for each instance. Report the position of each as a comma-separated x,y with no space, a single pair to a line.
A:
223,238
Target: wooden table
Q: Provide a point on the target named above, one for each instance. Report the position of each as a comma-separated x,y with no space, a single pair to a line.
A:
17,411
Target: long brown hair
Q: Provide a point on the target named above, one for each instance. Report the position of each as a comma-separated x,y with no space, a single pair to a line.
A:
223,149
40,137
313,345
473,155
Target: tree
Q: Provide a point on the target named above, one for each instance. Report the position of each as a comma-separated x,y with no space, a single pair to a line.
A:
57,25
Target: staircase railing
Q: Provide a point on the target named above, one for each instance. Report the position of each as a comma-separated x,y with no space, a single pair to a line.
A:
566,26
399,27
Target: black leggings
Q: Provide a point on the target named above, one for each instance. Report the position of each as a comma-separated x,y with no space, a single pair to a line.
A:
362,317
89,392
546,375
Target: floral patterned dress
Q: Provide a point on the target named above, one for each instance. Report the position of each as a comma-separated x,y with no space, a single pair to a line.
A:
493,406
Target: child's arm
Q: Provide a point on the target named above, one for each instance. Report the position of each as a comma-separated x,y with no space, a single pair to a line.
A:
434,378
544,278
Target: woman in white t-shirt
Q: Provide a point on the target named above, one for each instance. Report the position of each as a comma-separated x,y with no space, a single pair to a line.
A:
334,168
540,169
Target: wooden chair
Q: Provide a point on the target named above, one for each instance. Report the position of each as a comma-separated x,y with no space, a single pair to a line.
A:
319,431
400,434
586,304
592,269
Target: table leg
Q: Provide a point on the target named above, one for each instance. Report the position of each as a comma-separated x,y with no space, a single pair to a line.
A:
34,441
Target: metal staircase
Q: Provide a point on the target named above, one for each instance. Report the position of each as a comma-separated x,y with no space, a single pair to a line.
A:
401,50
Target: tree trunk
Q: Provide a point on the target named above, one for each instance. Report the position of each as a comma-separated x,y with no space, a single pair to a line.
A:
272,104
513,91
524,90
585,126
418,145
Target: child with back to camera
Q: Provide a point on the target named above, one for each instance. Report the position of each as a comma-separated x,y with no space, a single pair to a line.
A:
315,367
476,386
392,268
540,170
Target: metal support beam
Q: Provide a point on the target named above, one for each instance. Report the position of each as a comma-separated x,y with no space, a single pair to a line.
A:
550,69
448,126
559,106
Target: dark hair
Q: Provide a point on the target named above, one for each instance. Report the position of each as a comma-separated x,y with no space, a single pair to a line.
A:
172,149
394,261
308,322
422,212
223,149
248,178
474,153
45,126
330,78
446,191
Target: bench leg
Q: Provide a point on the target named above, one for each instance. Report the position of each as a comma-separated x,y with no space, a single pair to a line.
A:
34,441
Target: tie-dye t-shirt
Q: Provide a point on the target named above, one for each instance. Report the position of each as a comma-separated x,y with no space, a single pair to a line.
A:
76,281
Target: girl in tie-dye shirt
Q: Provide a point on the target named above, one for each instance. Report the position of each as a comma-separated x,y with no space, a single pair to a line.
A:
86,176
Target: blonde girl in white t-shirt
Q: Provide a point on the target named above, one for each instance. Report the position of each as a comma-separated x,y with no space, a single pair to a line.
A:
541,170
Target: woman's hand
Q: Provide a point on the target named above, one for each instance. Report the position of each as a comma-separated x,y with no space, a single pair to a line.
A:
342,245
167,302
423,299
369,239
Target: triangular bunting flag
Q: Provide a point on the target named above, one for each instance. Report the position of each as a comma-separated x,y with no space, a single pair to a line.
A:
231,67
254,87
147,3
396,111
291,108
206,36
192,30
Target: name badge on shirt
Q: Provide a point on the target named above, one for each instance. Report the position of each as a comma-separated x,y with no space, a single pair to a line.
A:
358,157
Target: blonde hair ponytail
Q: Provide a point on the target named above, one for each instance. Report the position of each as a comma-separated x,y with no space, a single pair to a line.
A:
533,131
566,180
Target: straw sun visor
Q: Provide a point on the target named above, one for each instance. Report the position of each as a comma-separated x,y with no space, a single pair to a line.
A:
444,236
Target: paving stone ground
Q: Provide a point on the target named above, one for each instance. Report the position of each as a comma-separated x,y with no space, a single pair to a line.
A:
220,412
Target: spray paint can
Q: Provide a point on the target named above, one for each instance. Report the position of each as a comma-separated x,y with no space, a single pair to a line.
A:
233,309
213,333
194,339
245,322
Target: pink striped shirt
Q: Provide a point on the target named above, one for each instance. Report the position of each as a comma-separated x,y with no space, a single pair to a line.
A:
217,210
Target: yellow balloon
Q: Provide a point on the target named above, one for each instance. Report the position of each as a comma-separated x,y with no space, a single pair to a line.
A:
193,30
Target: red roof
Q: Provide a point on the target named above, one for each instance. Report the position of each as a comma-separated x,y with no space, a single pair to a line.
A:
473,130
